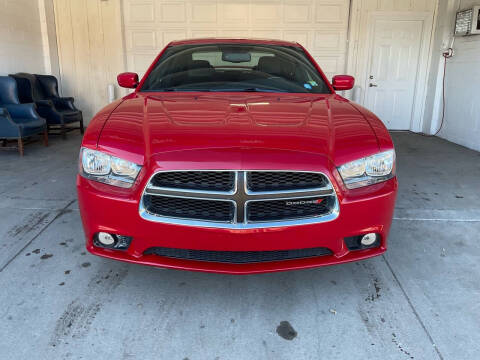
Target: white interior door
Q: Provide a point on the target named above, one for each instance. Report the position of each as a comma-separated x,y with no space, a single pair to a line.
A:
393,70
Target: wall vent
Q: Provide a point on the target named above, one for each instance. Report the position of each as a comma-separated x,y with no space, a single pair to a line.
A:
467,22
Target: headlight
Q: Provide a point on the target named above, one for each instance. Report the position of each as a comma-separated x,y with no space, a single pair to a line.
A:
369,170
108,169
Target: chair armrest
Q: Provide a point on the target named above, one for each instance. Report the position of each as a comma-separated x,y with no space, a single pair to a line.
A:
67,98
44,102
64,103
8,128
22,111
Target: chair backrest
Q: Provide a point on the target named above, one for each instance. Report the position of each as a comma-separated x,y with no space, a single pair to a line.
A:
49,85
31,91
8,91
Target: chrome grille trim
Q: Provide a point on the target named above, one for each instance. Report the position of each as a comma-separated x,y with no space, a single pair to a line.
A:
240,197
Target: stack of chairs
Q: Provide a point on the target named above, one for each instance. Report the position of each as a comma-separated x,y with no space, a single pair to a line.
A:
30,105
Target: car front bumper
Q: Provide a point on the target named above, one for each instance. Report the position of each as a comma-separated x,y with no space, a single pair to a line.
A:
108,209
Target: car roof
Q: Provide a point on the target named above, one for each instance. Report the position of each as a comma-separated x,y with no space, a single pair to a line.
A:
233,41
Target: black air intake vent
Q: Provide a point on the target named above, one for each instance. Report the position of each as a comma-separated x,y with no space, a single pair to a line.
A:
276,210
187,208
238,257
196,180
258,181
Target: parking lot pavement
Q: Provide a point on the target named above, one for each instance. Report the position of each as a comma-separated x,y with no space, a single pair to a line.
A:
419,301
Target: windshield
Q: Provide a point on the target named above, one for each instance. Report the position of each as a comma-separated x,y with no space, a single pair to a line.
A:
235,67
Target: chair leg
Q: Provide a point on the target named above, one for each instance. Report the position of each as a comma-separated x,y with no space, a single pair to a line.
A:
45,138
20,146
4,142
82,129
64,132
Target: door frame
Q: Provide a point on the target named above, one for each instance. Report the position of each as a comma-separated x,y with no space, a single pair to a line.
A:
360,45
422,69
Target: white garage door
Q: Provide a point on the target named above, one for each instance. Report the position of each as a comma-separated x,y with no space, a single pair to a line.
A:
319,25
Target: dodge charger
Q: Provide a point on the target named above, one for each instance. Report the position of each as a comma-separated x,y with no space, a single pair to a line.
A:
236,156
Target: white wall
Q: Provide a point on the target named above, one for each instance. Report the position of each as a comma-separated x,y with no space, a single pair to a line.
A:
21,47
462,105
49,37
90,49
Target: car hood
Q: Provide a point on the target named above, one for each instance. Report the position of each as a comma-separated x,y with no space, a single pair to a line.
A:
145,124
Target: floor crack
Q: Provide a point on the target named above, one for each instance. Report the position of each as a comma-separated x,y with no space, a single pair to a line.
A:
60,213
413,308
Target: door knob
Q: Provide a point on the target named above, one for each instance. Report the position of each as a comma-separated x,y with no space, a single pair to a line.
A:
373,85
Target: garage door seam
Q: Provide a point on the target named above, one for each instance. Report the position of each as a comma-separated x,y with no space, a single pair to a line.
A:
413,309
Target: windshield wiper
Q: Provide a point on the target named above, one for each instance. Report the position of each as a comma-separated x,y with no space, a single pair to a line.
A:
180,89
249,89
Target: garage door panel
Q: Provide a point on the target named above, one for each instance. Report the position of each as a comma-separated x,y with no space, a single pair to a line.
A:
170,35
198,33
319,25
140,61
300,36
331,65
140,39
332,11
298,11
266,12
203,12
268,34
237,33
139,12
329,40
170,12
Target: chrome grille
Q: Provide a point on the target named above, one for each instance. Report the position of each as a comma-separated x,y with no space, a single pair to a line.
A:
239,199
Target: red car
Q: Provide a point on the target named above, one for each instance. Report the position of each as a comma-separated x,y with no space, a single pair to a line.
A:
236,156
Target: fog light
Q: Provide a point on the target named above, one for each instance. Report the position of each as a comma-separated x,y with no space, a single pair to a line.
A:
112,241
105,239
361,242
368,239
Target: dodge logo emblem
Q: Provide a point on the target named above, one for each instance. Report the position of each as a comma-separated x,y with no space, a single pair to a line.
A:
303,202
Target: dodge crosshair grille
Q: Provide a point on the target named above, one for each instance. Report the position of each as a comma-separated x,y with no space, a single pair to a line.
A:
239,199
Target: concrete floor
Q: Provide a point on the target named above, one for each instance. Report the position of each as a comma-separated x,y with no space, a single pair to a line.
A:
419,301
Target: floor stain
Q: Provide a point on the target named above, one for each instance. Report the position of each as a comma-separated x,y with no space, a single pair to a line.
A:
78,317
86,264
46,256
75,321
30,223
400,346
286,331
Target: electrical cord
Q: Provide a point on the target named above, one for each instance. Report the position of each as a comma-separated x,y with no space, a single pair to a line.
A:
445,55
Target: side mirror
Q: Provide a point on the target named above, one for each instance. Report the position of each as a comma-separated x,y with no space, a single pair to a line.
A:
343,82
128,80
